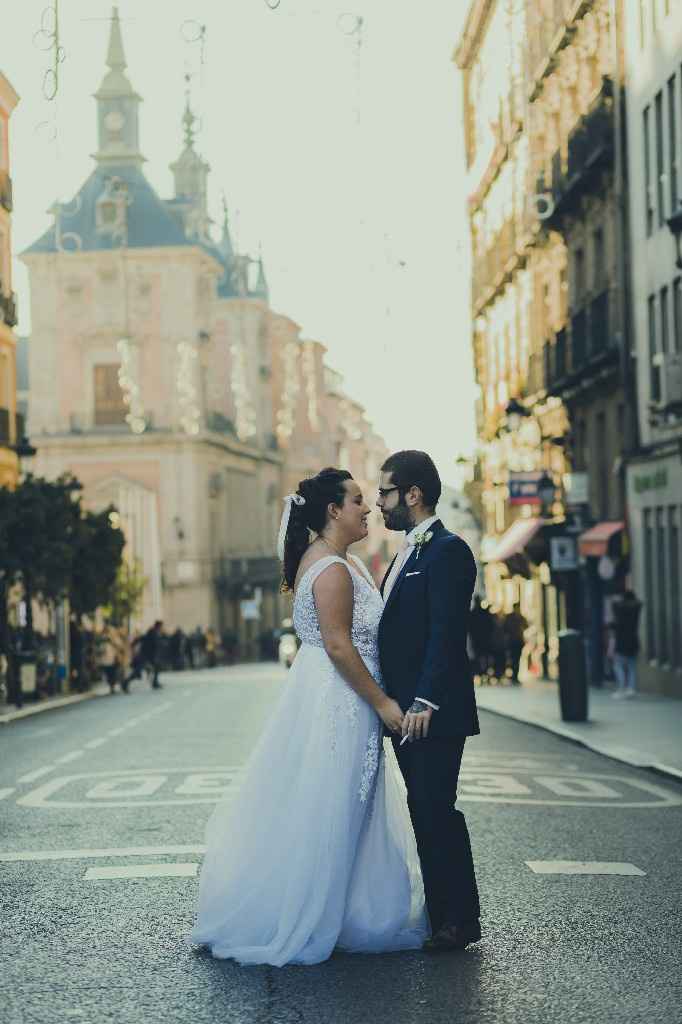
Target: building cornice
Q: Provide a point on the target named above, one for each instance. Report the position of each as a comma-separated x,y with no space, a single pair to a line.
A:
473,32
9,97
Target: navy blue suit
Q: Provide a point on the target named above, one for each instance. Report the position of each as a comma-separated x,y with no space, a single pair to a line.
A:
422,649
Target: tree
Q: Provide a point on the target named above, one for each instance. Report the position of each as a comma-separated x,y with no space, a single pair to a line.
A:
97,556
126,597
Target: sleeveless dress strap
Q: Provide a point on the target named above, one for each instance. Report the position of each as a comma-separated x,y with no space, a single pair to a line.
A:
363,570
318,567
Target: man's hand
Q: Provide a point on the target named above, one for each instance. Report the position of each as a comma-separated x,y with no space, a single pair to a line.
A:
416,722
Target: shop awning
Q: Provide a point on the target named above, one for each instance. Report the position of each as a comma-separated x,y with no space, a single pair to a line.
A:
514,540
595,542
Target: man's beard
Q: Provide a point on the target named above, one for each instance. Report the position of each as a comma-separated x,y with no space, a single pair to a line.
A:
398,518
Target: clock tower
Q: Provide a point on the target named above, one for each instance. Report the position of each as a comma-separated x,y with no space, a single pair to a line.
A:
117,107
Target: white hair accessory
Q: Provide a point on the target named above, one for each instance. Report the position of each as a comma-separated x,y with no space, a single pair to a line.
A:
291,499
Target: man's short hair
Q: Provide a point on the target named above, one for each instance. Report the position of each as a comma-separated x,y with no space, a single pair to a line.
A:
415,469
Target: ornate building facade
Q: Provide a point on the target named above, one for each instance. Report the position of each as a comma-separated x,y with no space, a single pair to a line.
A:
10,431
161,377
542,119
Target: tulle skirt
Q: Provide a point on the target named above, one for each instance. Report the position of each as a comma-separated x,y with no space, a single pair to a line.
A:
316,849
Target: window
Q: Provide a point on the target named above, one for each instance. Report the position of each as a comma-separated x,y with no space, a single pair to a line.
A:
603,465
665,320
598,259
110,408
649,608
647,170
674,565
662,609
677,314
654,368
672,143
579,271
659,159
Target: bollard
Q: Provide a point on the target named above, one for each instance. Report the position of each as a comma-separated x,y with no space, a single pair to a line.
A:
572,676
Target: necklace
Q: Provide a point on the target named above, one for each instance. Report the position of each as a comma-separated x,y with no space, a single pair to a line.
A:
333,548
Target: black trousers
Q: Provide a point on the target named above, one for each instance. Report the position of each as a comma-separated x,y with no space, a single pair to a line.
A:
430,769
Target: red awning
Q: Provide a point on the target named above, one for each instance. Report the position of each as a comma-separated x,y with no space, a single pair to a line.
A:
514,540
595,542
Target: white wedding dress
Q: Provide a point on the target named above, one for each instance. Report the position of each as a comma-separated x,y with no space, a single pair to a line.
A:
316,850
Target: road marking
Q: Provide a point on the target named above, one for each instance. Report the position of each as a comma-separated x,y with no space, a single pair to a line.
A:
583,867
93,744
196,786
142,871
20,856
36,774
6,792
575,790
73,756
116,732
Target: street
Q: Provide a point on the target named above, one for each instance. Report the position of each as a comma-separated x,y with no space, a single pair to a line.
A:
102,812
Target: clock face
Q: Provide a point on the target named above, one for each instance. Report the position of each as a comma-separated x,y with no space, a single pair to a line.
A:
114,121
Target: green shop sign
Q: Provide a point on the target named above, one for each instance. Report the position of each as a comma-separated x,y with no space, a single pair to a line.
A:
652,481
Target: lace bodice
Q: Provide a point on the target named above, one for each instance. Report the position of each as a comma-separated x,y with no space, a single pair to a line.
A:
367,607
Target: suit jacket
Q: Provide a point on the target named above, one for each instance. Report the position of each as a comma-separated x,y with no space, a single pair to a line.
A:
423,633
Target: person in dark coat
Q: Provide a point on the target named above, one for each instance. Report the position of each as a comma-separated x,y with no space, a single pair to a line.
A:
481,626
425,667
515,627
176,650
150,649
626,614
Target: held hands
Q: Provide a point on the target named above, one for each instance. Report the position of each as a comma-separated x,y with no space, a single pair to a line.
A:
391,714
416,722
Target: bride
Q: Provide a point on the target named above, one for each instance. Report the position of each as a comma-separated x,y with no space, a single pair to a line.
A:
316,851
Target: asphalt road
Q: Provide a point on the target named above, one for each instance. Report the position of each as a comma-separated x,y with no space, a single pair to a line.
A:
124,785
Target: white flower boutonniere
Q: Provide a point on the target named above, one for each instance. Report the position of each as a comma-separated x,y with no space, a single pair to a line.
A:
421,540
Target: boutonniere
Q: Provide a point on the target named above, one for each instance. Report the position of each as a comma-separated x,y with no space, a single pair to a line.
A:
421,540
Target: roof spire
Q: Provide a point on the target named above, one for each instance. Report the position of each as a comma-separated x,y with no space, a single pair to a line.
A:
188,118
115,56
261,290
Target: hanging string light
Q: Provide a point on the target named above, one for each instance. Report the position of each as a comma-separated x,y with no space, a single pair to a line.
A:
309,367
185,382
128,381
286,415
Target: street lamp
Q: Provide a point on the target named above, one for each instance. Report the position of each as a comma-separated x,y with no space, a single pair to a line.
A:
515,412
546,491
675,225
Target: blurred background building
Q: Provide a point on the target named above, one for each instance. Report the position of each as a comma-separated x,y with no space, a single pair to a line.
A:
565,352
160,376
11,432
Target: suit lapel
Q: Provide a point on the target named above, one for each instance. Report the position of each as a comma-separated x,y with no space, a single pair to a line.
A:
436,528
387,574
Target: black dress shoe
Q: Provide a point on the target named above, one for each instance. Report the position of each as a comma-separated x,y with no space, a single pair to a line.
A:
454,936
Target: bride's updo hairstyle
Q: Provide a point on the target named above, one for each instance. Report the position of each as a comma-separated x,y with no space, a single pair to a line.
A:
327,488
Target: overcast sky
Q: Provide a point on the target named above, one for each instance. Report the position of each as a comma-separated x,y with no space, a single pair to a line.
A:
345,161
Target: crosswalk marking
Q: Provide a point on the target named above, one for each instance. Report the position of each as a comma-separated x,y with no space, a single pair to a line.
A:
18,856
583,867
36,774
73,755
142,871
6,792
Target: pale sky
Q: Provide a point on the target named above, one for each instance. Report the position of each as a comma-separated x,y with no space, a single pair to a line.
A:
346,163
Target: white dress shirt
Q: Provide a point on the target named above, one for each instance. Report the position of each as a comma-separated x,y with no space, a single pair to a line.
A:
396,568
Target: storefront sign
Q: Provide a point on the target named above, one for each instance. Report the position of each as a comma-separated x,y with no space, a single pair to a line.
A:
651,481
523,488
563,554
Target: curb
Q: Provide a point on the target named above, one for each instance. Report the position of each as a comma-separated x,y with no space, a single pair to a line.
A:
622,755
49,705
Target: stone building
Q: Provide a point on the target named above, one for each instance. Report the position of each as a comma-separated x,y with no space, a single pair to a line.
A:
10,431
542,93
654,476
161,377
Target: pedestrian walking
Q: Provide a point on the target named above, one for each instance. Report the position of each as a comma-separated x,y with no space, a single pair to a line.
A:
150,648
626,613
211,645
515,627
176,650
109,656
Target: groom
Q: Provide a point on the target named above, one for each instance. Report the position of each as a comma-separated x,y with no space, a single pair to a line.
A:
422,647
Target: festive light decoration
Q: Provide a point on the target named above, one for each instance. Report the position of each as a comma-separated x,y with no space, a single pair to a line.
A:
286,416
185,381
245,415
128,380
46,38
310,376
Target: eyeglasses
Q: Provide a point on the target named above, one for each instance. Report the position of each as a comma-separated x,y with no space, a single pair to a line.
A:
385,491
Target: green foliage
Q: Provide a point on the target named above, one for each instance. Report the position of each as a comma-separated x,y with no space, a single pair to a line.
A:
50,544
126,596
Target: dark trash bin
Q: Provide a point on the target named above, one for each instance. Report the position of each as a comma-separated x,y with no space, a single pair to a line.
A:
572,676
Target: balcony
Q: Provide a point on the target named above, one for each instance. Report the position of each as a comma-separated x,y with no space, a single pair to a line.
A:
600,339
8,309
6,191
494,264
578,339
589,151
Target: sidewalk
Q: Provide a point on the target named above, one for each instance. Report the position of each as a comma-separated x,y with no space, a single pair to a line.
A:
10,713
645,732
